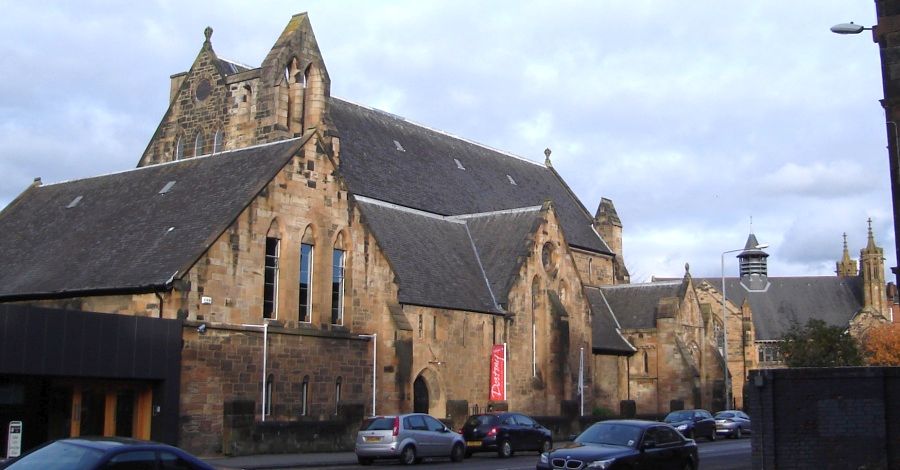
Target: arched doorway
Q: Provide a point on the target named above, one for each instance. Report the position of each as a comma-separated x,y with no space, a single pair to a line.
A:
420,395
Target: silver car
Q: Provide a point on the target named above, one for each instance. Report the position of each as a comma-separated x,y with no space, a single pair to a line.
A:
733,423
409,437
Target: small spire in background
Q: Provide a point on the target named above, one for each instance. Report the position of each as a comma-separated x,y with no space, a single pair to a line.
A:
547,153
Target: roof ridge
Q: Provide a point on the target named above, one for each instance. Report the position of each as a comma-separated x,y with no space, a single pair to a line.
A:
240,64
499,212
439,131
173,162
643,284
410,210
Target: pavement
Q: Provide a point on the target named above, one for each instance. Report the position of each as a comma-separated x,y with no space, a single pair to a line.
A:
276,461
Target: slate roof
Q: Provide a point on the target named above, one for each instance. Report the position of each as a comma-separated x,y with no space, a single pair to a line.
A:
502,241
123,235
465,263
607,337
634,305
388,158
833,299
227,67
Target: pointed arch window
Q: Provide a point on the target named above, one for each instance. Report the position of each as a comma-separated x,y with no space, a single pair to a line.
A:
199,143
218,141
338,261
179,148
307,253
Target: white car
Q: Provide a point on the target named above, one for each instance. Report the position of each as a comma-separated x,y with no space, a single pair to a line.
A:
408,437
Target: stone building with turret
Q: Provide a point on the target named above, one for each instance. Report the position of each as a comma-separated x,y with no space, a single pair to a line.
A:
282,255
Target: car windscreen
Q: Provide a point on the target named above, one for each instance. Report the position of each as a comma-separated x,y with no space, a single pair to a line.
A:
481,420
59,456
378,424
610,434
724,415
676,416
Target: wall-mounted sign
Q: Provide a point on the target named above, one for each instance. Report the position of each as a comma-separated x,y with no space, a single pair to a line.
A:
14,440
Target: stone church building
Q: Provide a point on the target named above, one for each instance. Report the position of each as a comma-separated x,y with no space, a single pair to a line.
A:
272,242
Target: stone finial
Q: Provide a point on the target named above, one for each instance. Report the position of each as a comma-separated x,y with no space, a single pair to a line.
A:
687,268
37,181
547,153
207,32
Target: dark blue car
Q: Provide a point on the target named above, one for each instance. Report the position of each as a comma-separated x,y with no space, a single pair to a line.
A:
625,444
106,453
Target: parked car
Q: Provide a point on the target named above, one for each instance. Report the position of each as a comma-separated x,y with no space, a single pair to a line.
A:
733,423
693,423
625,444
505,433
408,437
106,453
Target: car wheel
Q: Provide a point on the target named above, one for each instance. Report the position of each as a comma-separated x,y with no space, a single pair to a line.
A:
546,446
364,460
737,433
458,453
504,450
408,455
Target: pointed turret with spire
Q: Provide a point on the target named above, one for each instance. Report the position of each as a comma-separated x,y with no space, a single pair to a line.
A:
871,269
846,267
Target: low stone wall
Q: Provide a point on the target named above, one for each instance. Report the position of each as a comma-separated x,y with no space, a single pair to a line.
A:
846,417
242,435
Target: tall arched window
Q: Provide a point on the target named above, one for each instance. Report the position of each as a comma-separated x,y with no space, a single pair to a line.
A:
646,363
270,273
199,143
338,260
179,148
307,252
218,141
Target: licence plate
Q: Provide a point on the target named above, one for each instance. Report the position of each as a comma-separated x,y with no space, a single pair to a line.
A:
473,443
371,438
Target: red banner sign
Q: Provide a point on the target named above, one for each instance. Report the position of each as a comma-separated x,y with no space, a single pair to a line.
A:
498,373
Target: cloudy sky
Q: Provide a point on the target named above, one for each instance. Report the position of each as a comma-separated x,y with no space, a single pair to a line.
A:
693,117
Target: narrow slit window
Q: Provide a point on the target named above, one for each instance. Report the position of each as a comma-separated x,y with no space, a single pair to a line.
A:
179,149
338,388
199,143
269,381
304,396
218,141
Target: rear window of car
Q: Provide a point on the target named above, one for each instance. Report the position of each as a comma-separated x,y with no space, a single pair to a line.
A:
378,424
679,416
59,455
724,415
481,420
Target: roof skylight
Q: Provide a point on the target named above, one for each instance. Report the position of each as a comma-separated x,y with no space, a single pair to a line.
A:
511,180
167,187
459,164
399,147
74,202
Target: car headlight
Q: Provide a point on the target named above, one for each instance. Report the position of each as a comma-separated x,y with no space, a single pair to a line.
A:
601,463
681,427
545,458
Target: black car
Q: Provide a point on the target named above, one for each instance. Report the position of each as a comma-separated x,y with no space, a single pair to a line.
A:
505,433
106,453
625,444
693,423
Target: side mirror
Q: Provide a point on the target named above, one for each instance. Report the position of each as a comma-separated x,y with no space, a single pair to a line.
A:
648,444
445,429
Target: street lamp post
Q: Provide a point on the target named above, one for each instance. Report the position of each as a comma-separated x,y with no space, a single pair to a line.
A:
265,355
374,338
725,326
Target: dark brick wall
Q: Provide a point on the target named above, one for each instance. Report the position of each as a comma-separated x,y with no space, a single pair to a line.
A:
825,417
